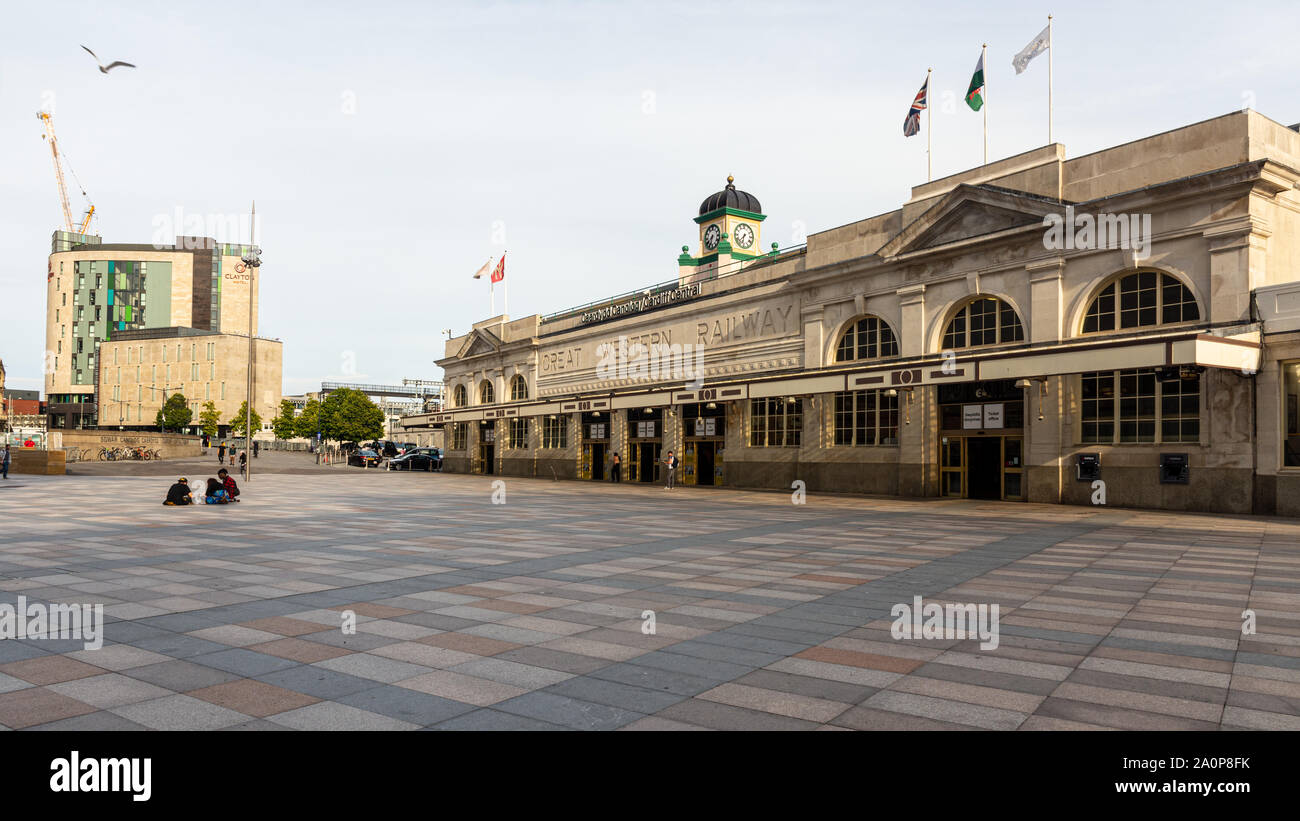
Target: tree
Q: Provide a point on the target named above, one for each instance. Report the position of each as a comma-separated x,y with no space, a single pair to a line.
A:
210,418
349,415
284,425
306,425
175,413
237,424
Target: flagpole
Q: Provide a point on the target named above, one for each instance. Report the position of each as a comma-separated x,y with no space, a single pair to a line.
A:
929,129
1049,79
984,63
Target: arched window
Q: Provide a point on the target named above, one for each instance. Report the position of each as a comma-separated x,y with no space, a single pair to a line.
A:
866,338
1139,300
486,395
458,399
518,388
983,321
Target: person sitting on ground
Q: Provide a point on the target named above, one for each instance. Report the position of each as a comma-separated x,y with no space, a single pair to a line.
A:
216,493
179,493
228,482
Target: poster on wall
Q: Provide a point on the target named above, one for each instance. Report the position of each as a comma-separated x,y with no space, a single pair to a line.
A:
699,427
972,417
993,415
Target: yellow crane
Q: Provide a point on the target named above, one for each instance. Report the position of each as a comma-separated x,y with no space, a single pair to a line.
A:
47,120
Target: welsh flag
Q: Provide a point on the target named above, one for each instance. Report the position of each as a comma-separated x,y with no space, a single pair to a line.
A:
500,272
975,94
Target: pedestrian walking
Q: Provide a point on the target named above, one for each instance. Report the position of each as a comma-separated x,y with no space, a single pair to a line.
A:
616,470
221,453
4,462
256,446
671,464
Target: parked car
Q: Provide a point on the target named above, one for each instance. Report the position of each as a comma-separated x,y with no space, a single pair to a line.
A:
364,457
419,459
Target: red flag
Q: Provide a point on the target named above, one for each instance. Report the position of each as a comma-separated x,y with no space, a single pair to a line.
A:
500,272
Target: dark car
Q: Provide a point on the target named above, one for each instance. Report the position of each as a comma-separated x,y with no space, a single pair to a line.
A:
416,460
364,457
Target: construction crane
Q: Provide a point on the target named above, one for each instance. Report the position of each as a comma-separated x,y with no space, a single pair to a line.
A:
44,117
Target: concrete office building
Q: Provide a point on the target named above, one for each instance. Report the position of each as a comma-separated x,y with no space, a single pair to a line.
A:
110,304
1119,328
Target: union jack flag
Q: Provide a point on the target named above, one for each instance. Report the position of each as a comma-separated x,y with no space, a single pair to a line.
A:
912,125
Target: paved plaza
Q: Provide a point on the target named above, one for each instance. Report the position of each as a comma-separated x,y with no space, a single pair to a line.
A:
529,614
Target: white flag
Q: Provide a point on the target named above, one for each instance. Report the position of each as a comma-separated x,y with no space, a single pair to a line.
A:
1036,47
481,271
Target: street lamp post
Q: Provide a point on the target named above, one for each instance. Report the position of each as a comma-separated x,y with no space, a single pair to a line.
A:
252,261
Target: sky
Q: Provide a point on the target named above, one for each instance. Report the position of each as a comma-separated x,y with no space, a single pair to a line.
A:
393,147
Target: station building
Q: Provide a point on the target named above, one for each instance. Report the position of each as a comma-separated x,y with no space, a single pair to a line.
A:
1119,328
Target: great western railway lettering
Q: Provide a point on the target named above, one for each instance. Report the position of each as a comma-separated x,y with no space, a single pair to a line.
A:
735,327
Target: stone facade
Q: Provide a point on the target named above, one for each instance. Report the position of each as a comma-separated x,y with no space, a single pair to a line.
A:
1081,331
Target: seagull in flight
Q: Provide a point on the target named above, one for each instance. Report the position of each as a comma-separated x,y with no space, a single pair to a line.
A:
103,69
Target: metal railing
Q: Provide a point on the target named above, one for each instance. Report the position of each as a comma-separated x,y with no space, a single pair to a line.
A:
737,266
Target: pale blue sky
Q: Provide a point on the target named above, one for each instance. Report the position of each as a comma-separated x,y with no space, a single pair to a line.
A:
592,131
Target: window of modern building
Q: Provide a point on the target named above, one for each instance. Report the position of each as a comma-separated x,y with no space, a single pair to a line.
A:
518,388
866,418
458,397
983,321
866,338
555,432
1134,406
1139,300
776,422
1291,414
486,393
517,430
459,435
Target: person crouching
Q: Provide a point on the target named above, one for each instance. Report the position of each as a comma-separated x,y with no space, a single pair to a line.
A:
228,482
179,493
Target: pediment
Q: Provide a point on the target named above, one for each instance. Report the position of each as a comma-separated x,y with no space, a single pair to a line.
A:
479,342
969,212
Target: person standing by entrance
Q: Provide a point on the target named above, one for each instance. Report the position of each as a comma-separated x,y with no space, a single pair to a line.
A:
256,447
221,453
671,464
616,469
4,462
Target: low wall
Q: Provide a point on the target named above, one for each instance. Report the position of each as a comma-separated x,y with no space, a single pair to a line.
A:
170,445
39,462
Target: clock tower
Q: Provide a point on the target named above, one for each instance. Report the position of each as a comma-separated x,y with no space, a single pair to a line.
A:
730,224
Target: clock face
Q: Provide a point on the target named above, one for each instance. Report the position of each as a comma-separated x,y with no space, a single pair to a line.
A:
711,236
744,235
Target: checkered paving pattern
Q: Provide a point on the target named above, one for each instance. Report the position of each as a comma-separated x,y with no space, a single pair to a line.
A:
528,615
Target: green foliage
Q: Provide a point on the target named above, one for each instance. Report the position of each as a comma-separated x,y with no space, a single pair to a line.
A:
349,415
237,424
210,418
306,423
284,424
175,413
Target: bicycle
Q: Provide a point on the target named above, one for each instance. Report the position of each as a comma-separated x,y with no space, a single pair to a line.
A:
106,455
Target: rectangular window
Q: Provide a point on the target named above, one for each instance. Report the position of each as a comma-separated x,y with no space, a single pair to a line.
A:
459,436
223,390
776,422
866,418
555,432
518,433
1134,407
1291,414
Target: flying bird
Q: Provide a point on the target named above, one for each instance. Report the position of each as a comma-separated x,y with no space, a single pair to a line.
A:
103,69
